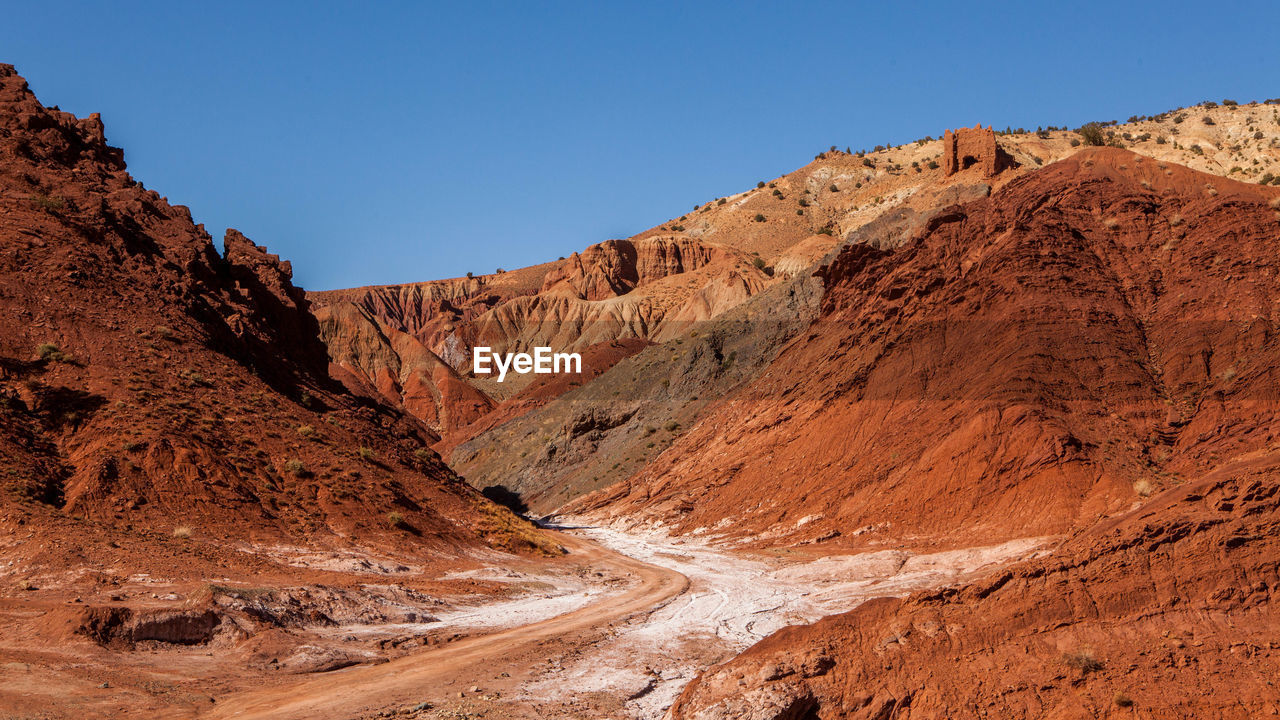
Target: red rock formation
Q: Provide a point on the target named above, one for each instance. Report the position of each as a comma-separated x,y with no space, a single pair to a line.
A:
970,147
616,267
657,287
150,381
1167,611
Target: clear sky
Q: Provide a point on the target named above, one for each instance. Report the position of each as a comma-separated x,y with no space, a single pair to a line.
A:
385,142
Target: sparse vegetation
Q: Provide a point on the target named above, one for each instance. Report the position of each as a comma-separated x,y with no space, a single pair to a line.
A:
1092,134
50,353
182,532
759,217
306,431
1083,661
396,520
48,203
366,453
1123,700
295,468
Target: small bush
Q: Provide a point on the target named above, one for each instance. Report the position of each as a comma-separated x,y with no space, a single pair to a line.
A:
760,184
50,352
1083,661
1092,134
182,531
295,467
671,426
422,454
759,263
306,431
759,217
366,453
834,188
824,231
48,203
1274,203
396,520
1207,120
1123,700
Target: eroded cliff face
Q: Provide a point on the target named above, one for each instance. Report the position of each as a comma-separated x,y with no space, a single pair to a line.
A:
153,382
617,291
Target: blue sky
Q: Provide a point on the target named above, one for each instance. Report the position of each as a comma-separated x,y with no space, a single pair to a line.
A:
387,142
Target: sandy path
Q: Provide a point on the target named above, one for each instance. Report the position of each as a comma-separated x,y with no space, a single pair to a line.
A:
434,674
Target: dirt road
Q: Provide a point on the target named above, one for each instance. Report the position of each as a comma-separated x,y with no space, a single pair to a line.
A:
493,662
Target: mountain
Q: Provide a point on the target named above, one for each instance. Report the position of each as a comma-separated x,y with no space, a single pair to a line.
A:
699,315
153,383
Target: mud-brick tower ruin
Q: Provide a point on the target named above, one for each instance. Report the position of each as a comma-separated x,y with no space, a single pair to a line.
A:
967,147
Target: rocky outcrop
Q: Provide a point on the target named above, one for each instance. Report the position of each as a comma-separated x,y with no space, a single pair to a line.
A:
616,267
1166,611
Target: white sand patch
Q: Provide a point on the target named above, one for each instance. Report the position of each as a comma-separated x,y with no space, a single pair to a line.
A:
733,601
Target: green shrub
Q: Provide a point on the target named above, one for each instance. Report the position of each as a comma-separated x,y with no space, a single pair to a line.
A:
759,217
1092,134
366,453
306,431
50,352
758,262
295,468
396,520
